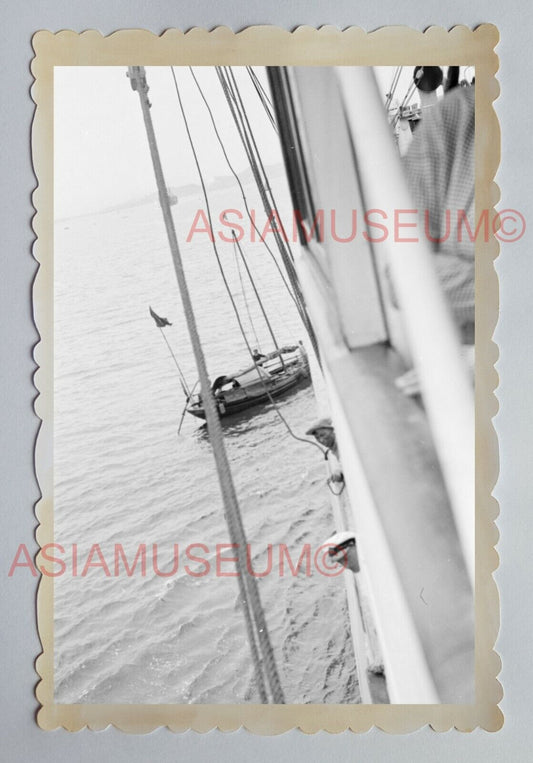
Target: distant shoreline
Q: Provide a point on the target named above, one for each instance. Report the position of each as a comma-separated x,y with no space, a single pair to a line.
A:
183,191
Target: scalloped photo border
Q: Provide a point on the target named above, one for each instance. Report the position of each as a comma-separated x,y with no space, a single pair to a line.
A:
269,45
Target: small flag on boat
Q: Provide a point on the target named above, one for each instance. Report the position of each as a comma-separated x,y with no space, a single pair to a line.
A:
159,322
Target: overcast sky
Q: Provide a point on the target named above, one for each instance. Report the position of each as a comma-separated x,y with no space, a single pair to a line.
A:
101,155
101,150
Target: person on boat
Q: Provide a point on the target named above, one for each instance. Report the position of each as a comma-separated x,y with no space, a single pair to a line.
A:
324,433
258,356
439,167
343,550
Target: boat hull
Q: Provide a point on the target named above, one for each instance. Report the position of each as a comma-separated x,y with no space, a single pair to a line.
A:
260,394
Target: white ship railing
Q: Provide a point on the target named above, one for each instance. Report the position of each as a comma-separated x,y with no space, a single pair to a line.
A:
409,470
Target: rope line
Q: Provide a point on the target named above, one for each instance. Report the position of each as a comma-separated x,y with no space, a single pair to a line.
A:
255,617
254,152
232,94
271,208
394,85
184,385
265,316
232,513
245,299
256,80
410,92
226,284
231,98
237,178
263,97
268,187
265,298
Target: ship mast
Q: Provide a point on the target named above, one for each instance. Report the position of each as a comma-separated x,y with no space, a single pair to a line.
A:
258,636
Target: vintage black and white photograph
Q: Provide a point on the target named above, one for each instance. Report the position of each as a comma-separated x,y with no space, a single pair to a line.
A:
263,384
265,301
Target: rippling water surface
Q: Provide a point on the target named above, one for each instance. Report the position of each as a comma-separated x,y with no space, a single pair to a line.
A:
123,475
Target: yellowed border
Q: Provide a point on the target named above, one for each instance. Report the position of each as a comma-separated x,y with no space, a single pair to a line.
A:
261,46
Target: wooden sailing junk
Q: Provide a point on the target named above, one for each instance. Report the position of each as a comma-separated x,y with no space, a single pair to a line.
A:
271,375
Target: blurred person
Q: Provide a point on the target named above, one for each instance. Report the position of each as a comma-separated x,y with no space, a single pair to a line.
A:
439,166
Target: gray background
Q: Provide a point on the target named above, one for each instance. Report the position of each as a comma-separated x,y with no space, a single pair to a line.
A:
21,740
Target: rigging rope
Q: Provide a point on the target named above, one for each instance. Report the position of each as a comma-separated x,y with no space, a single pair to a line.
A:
231,93
247,137
394,85
256,79
245,299
263,97
255,152
273,305
237,178
410,92
265,316
184,385
254,615
248,583
269,201
184,411
224,279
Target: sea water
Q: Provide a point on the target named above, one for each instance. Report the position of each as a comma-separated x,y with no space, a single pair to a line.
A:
124,476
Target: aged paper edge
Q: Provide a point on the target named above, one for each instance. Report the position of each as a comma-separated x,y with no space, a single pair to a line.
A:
269,45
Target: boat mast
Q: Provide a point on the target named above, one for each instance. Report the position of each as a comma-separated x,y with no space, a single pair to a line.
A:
265,316
254,615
